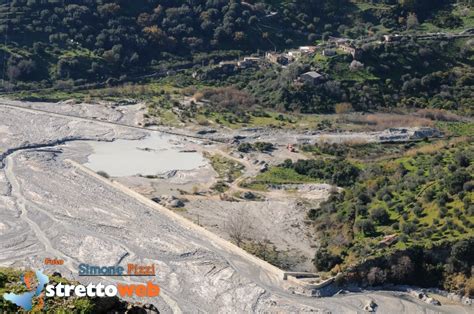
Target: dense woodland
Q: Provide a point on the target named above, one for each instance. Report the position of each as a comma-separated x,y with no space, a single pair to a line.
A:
91,40
64,43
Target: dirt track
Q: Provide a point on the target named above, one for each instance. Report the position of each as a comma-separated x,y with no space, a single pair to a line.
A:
49,208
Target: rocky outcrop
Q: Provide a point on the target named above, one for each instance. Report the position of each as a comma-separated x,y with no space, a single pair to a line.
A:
370,307
424,297
408,134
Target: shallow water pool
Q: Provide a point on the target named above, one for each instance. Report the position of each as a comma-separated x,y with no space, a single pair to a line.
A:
155,154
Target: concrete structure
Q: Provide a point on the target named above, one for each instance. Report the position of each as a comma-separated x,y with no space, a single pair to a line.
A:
355,52
52,207
307,49
329,52
228,66
290,55
277,58
391,38
408,134
294,54
312,77
248,62
338,40
309,284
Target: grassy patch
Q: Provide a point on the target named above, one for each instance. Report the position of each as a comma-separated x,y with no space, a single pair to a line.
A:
457,128
227,169
277,176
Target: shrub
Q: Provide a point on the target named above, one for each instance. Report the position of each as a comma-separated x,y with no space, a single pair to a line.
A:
263,146
344,107
244,147
324,260
366,226
443,198
430,195
468,186
456,181
418,211
228,99
462,256
462,160
438,114
405,216
402,268
64,85
380,215
338,172
103,174
376,276
3,280
364,198
399,208
395,226
409,227
220,186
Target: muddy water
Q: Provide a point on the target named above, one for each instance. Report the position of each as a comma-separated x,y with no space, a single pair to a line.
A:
155,154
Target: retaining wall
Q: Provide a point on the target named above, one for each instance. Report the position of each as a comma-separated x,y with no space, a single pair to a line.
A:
278,274
213,238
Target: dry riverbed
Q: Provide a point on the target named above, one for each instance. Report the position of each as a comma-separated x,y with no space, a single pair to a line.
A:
50,208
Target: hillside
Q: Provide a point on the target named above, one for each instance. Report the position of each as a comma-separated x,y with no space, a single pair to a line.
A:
67,43
91,40
273,149
417,208
410,73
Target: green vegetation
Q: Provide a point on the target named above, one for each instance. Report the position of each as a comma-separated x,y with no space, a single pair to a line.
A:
409,73
105,44
10,281
362,151
457,128
220,186
267,251
277,176
407,206
91,41
227,169
338,172
421,202
257,146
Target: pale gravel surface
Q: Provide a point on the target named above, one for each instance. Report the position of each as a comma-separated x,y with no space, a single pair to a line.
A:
132,115
126,114
50,209
183,180
279,221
